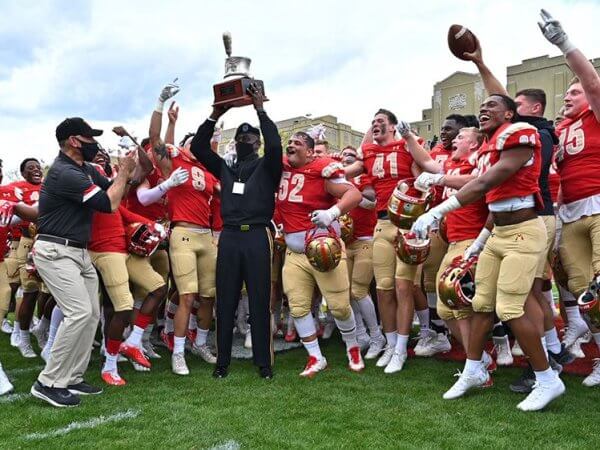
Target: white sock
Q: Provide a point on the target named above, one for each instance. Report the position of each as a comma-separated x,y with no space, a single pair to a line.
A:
472,366
16,327
179,344
25,337
55,321
135,338
137,304
391,338
545,376
544,344
367,311
596,337
348,330
552,341
313,348
423,316
573,314
201,337
431,299
305,326
110,363
486,359
401,344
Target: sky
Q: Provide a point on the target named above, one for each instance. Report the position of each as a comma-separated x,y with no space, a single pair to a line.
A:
108,60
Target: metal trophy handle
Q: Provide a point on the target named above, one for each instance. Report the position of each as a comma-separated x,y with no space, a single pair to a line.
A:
227,43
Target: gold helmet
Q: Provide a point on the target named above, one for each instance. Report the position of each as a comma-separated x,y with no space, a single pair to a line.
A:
589,303
323,248
407,203
32,230
347,227
30,267
457,283
410,249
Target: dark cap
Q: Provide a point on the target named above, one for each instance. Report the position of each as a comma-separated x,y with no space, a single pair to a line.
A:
246,128
75,126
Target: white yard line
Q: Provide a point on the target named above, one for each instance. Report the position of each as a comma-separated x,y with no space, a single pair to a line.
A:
92,423
14,397
24,370
229,445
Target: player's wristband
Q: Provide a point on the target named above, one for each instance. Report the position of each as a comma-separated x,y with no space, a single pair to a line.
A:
566,47
335,211
159,106
366,203
445,207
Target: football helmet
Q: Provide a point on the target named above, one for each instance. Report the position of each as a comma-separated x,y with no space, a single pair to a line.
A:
457,283
407,203
32,230
143,239
411,250
589,302
323,248
347,227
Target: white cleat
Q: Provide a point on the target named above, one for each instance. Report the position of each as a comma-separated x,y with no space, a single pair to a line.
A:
439,344
328,330
424,342
396,363
363,341
5,384
542,394
467,382
248,340
313,366
503,355
139,368
593,379
26,351
516,349
149,350
376,346
586,338
204,352
384,360
355,361
15,338
178,364
576,349
575,330
6,327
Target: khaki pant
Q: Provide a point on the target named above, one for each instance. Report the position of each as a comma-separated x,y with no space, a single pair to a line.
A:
507,267
71,279
299,282
454,249
13,264
4,291
545,269
579,250
432,264
193,261
359,259
386,265
29,283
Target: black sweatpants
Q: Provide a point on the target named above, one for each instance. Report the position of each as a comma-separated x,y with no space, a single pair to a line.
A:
244,256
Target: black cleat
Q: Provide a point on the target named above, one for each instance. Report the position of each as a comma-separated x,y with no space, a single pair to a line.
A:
220,372
563,357
524,384
266,373
84,388
59,397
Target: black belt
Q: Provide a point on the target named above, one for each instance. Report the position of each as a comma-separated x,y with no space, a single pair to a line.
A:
382,215
254,226
59,240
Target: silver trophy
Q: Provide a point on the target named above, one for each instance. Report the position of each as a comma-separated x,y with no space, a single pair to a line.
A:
235,66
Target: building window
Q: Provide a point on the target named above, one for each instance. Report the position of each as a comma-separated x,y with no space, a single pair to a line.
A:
429,127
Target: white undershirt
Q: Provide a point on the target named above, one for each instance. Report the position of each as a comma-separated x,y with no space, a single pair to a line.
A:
585,207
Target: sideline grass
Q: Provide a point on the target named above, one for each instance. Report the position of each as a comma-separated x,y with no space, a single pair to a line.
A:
338,409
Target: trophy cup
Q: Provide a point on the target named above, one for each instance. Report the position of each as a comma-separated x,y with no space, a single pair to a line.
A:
233,91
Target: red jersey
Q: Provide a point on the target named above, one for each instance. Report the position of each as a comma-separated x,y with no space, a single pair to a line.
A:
190,201
578,155
554,177
108,230
466,222
525,181
216,221
155,211
440,155
364,220
22,191
386,165
302,190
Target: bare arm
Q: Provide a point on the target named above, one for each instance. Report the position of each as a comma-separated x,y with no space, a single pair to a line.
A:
354,169
26,212
456,181
349,197
590,81
490,82
119,185
173,115
420,155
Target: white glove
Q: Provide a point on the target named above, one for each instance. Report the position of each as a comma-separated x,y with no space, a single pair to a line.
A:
403,128
427,179
178,176
167,92
431,218
365,203
230,158
160,230
324,217
477,246
553,31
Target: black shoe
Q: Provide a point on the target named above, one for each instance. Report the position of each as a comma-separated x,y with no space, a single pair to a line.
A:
554,365
59,397
220,372
563,357
524,384
266,373
84,389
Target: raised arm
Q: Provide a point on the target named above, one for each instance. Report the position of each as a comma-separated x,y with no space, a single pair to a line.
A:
419,154
173,115
200,146
490,82
579,64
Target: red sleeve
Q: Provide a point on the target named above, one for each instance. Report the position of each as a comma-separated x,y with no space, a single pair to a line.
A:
130,217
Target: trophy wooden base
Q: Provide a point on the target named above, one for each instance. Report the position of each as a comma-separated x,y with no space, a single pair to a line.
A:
235,92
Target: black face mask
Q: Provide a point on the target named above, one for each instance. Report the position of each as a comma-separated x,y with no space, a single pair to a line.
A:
243,149
89,150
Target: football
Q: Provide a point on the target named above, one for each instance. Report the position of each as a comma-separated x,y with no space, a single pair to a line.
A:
461,40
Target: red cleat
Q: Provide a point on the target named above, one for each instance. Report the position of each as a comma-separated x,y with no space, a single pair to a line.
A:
191,335
291,336
113,379
168,339
134,354
492,366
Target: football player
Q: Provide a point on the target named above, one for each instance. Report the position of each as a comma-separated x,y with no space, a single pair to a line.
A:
359,256
314,191
509,165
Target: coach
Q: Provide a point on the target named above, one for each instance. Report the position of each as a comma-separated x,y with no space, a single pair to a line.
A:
71,192
248,188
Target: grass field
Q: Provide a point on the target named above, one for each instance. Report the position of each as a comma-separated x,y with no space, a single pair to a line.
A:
338,409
